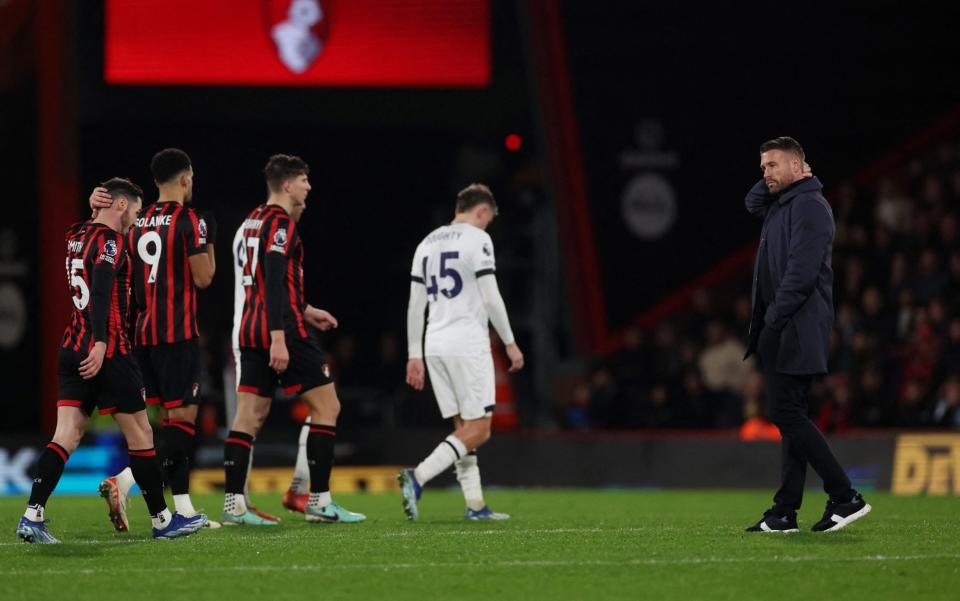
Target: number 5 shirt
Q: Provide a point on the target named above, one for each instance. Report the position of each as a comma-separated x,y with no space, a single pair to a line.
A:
98,280
162,240
449,262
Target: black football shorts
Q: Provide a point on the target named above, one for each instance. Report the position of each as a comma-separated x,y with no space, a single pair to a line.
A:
171,373
117,387
307,369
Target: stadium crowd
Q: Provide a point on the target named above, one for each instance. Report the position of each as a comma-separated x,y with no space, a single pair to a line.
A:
895,352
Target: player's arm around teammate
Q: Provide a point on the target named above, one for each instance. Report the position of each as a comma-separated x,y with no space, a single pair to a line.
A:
96,369
203,266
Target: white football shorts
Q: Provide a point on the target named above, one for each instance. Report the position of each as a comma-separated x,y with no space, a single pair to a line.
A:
464,386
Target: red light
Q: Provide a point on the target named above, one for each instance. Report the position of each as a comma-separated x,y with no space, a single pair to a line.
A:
513,142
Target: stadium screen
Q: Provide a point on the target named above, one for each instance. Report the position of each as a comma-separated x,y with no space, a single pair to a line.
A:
381,43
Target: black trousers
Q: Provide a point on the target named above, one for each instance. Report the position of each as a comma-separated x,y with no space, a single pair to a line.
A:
802,442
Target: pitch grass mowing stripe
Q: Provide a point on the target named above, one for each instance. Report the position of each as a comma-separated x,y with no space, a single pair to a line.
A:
691,561
560,545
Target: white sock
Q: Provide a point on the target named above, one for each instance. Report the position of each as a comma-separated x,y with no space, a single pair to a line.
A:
234,504
34,513
440,459
301,472
319,500
125,480
161,519
183,504
468,474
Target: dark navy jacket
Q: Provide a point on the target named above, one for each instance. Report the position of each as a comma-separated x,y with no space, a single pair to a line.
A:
798,232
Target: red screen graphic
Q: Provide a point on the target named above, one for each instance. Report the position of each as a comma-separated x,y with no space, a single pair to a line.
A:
428,43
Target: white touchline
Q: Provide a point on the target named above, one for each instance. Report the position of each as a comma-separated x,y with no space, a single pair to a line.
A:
374,535
518,563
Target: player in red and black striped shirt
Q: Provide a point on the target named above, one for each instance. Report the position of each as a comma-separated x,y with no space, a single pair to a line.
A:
96,368
277,345
172,249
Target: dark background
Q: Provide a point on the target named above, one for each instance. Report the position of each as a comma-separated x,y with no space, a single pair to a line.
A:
850,83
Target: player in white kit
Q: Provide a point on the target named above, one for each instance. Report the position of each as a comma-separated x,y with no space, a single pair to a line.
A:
454,274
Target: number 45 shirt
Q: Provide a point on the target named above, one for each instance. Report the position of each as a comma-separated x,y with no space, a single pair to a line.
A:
449,262
161,242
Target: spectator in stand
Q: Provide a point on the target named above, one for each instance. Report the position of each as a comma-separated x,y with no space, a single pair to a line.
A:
756,426
631,363
741,315
871,407
910,411
946,411
575,413
950,355
873,315
692,403
953,284
724,375
721,361
930,282
834,415
667,363
949,236
921,354
603,398
894,210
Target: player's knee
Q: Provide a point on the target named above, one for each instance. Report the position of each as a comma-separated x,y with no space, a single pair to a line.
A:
68,436
138,438
260,415
69,440
482,436
331,408
474,435
145,434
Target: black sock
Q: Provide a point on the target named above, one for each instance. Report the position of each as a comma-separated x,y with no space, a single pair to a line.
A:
49,469
180,436
320,456
236,458
146,471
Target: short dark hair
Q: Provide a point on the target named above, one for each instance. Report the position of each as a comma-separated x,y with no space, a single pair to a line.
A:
282,167
121,186
473,195
168,163
784,143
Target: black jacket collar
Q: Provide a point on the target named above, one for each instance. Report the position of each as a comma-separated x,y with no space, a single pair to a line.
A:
810,184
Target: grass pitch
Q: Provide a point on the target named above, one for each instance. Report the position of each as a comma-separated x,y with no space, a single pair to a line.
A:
561,544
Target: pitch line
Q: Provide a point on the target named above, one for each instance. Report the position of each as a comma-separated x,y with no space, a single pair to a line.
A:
356,533
517,563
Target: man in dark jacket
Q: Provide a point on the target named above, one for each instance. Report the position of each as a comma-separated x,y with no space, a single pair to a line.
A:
790,330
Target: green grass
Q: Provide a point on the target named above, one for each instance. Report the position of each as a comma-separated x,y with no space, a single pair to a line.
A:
568,544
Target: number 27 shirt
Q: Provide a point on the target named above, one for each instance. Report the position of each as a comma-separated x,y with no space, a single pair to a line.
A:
272,277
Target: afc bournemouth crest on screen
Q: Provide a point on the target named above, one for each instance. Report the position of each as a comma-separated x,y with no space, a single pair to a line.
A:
299,30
